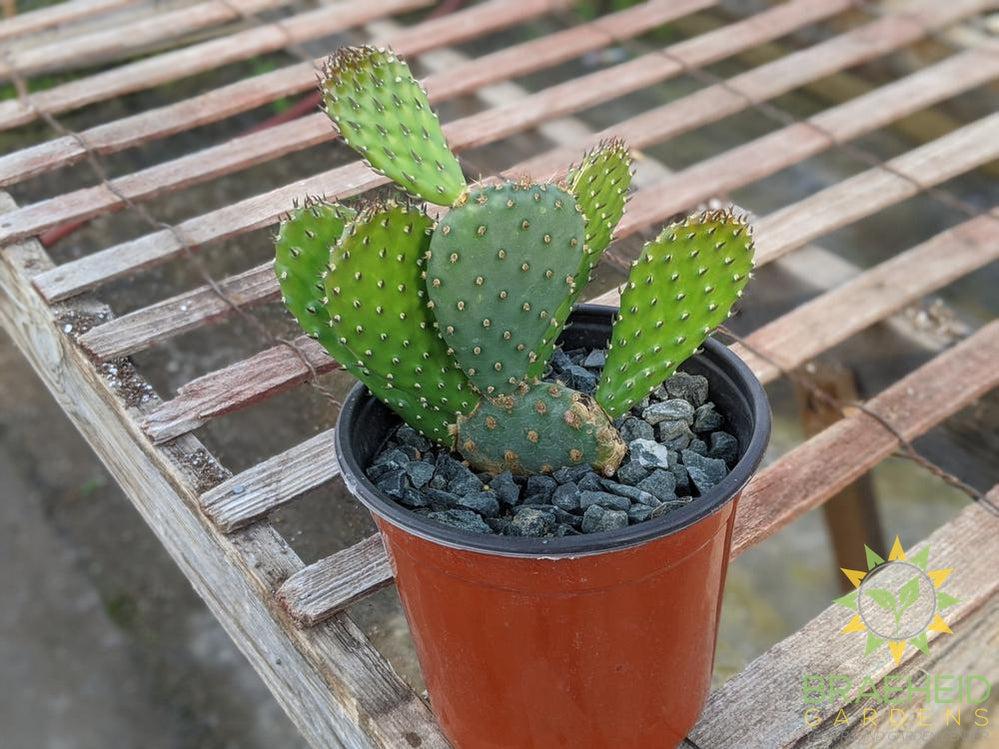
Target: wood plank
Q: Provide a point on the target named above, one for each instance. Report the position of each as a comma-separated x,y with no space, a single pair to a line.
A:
175,64
345,181
246,151
763,706
791,340
776,234
477,20
118,40
815,470
330,680
56,15
318,591
250,495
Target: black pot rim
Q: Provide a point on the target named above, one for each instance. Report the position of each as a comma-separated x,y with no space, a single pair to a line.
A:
567,546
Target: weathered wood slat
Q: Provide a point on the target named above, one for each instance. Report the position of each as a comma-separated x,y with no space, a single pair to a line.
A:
801,479
777,234
243,152
121,39
252,92
763,707
56,15
329,679
316,592
250,495
487,126
822,466
175,64
134,255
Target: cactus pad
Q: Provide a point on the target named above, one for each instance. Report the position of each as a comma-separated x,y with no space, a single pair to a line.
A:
500,266
383,113
600,185
680,289
302,250
538,429
378,311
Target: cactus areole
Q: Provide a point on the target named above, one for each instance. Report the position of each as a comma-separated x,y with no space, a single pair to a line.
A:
450,320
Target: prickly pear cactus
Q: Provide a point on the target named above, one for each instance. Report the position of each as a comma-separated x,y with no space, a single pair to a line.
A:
378,312
501,265
538,429
302,250
600,185
383,113
680,289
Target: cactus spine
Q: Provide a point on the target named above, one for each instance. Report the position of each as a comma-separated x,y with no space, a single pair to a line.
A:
452,324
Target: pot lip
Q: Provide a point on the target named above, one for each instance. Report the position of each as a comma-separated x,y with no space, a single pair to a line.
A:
568,546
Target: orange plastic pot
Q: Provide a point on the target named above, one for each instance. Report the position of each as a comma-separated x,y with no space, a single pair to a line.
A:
596,641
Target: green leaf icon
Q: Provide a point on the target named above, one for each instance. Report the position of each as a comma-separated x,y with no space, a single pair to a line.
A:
908,594
883,598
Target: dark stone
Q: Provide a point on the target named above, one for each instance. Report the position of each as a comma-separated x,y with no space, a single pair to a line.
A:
394,458
570,474
692,388
675,435
632,428
413,499
567,518
466,520
449,469
704,472
499,525
420,472
530,521
590,482
441,499
597,519
596,359
562,529
409,436
724,447
560,361
706,419
632,493
466,485
580,378
566,497
698,446
667,507
410,452
484,503
393,483
631,473
649,453
673,409
375,472
660,484
505,489
539,488
604,499
639,513
679,472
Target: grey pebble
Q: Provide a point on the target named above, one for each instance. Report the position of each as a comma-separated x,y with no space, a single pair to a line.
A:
706,419
531,521
692,388
674,409
595,359
466,520
604,499
632,428
675,435
409,436
660,484
698,446
539,488
724,447
632,473
420,472
704,472
597,519
484,503
639,513
649,453
632,493
566,497
571,474
579,378
393,483
505,488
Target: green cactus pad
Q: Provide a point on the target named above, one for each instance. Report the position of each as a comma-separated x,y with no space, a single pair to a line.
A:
538,429
378,311
383,113
680,289
600,184
500,266
302,250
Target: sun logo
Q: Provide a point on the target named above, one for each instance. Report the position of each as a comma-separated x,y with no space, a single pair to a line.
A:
897,601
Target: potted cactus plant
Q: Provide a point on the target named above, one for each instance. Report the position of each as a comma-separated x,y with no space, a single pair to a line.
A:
571,597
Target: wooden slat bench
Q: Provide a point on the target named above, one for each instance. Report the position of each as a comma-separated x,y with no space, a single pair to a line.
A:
290,618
